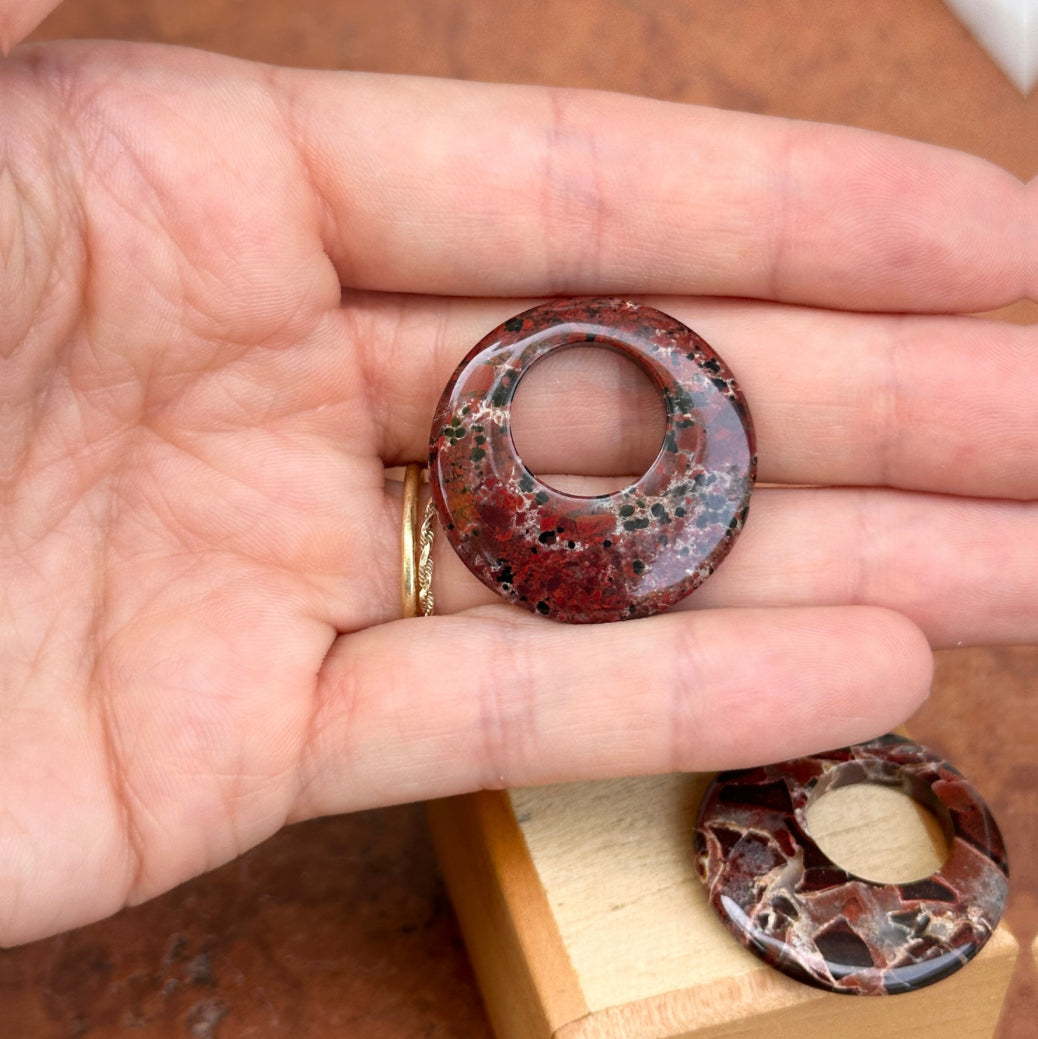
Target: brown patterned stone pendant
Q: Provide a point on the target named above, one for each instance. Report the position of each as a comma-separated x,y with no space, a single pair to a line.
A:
615,556
787,902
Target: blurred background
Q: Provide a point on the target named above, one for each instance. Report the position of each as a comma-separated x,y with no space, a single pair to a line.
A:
341,927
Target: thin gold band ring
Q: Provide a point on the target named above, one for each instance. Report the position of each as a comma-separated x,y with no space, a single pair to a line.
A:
416,549
408,543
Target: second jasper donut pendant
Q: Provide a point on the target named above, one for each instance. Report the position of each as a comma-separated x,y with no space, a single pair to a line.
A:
615,556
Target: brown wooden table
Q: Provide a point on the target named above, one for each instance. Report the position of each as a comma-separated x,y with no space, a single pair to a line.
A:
341,927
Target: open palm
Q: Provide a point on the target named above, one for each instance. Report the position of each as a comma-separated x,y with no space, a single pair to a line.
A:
231,296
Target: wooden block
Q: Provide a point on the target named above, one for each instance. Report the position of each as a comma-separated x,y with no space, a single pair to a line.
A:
585,920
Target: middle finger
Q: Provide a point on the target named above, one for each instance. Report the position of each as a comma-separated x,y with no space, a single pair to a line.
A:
939,404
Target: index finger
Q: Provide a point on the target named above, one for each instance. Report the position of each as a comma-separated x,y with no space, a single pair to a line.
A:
459,188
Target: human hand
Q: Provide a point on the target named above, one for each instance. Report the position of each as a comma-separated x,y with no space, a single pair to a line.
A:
18,18
231,297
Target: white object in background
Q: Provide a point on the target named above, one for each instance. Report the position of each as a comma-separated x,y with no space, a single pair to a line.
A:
1008,31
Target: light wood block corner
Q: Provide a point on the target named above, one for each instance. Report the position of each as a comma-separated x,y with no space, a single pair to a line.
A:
584,919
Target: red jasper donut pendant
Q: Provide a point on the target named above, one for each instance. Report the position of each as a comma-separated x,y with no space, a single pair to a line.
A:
588,559
789,903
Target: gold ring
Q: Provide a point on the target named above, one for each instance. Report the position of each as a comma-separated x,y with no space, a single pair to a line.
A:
426,604
408,552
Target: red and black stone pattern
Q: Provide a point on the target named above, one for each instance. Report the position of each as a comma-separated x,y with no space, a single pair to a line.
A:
786,901
612,557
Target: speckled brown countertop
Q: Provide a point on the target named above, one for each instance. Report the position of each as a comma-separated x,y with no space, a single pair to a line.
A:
341,927
338,927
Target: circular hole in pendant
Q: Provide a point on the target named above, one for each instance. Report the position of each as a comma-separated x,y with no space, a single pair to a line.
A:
878,833
587,421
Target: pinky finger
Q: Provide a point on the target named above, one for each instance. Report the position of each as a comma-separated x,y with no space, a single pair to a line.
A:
437,706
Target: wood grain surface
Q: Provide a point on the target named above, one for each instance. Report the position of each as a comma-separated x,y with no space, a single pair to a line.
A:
341,926
650,956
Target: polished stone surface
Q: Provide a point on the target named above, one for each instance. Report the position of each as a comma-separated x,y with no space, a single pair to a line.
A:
611,557
783,898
